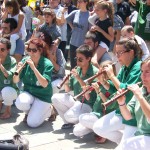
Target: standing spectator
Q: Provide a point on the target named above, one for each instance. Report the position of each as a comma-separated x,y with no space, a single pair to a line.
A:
78,21
28,17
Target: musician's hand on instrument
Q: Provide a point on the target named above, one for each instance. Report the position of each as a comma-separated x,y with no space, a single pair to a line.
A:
75,73
19,65
95,86
31,64
109,70
135,89
86,94
121,100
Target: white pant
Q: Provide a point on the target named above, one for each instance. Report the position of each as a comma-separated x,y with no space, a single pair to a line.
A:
137,143
108,127
54,85
127,133
8,95
69,109
13,39
85,125
37,110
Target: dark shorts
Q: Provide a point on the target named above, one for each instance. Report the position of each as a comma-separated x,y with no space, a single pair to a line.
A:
20,47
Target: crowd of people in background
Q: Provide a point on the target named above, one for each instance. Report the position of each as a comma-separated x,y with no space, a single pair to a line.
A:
36,43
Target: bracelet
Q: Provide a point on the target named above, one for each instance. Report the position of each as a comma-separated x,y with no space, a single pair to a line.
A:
122,104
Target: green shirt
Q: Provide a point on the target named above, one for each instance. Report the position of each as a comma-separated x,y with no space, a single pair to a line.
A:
128,75
10,66
142,124
142,26
98,110
75,85
31,83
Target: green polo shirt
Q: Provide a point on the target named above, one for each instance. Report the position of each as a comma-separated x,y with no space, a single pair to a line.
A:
10,65
98,110
31,83
143,124
75,85
128,75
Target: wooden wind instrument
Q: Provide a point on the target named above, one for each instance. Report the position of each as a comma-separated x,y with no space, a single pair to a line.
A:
20,69
89,80
83,92
106,104
64,80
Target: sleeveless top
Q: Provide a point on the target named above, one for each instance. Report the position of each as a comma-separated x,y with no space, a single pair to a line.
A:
23,28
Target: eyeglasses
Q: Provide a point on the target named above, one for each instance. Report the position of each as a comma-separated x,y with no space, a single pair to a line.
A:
34,50
118,54
78,59
2,49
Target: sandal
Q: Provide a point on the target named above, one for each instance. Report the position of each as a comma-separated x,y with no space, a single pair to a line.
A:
100,140
53,115
67,126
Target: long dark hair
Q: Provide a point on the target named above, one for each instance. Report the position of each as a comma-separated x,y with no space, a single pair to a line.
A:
14,4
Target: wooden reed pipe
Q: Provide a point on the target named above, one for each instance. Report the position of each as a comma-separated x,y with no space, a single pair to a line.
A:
89,80
106,104
20,69
83,92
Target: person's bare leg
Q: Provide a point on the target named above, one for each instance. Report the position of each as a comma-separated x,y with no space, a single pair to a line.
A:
7,113
18,57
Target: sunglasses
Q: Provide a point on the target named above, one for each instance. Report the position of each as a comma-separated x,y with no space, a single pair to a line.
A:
78,59
34,50
2,49
118,54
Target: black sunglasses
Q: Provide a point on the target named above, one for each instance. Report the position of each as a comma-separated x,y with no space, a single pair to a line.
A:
34,50
78,59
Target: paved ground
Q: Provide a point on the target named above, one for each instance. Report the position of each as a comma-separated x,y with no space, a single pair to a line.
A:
49,135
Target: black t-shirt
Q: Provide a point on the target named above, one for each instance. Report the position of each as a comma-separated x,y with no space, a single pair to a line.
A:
104,25
123,10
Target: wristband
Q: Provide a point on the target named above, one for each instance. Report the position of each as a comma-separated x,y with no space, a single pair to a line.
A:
122,104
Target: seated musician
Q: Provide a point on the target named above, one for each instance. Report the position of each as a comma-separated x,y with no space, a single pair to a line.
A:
138,108
69,109
35,100
128,54
7,68
87,120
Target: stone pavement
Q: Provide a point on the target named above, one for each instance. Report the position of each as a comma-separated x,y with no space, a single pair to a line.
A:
49,135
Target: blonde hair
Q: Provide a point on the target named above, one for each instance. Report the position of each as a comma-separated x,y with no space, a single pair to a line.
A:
101,4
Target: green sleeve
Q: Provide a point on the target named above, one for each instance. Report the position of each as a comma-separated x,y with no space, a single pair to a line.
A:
131,106
12,68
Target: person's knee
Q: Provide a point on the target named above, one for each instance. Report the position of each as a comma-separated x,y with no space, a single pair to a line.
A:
55,99
8,94
33,122
77,132
71,118
98,130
